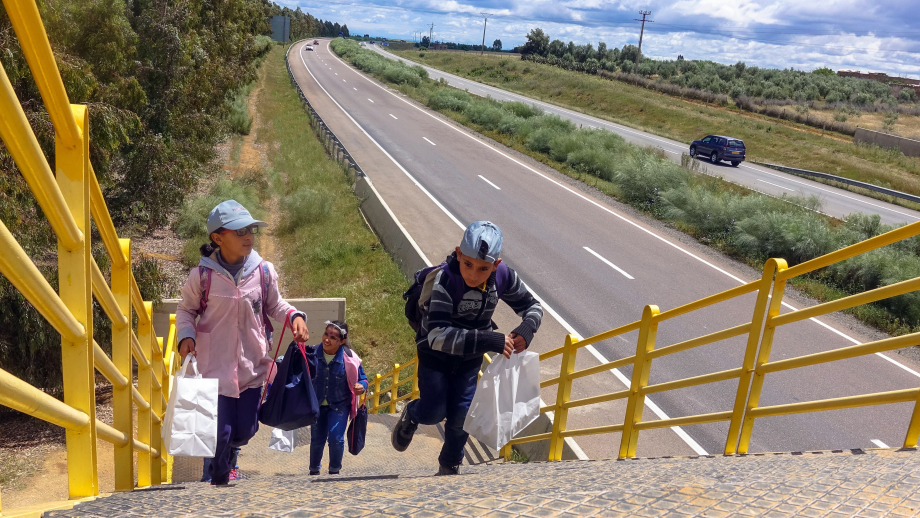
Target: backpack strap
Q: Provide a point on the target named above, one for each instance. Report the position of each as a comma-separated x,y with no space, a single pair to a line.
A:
502,279
266,278
204,278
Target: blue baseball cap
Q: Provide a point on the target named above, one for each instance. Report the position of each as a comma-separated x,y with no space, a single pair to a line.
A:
231,216
482,240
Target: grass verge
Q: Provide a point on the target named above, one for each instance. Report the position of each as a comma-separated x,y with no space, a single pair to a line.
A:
739,222
767,139
327,250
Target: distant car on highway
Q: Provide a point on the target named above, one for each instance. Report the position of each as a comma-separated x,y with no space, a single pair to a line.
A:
316,42
308,47
716,148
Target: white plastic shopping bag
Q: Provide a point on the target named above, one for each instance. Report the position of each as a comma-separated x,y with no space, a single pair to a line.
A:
190,421
506,401
282,440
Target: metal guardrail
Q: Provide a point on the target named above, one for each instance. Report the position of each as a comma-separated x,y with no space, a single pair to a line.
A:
72,200
330,141
840,179
391,390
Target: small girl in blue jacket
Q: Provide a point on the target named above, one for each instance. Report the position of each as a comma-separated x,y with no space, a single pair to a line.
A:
339,383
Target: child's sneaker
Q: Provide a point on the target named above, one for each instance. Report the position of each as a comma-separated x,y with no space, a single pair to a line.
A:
448,470
235,474
403,431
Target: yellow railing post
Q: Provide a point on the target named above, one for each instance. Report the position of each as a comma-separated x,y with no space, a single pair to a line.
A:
394,388
913,429
415,379
156,408
74,276
750,354
169,352
636,403
376,393
122,400
763,356
563,394
145,461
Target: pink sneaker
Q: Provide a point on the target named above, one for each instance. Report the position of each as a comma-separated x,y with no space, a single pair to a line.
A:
235,474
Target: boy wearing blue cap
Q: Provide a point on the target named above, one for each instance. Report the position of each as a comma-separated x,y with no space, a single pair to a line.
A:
456,330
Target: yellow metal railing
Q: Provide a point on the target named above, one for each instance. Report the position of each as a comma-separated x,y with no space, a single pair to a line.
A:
752,370
391,389
71,199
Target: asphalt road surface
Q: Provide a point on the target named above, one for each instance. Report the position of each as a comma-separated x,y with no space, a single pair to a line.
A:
835,202
597,268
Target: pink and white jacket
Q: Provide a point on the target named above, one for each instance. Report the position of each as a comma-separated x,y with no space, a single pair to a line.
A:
229,335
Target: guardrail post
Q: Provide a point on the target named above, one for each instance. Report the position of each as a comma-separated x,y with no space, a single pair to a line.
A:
913,429
750,354
563,394
122,400
763,356
376,393
636,403
156,408
394,388
76,291
145,461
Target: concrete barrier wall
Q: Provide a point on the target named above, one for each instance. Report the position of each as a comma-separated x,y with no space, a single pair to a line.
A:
318,311
389,230
907,146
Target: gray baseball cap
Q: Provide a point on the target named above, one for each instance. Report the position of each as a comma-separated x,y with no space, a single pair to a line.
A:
231,216
482,240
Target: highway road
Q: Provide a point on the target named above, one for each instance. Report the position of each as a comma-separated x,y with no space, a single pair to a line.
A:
835,202
596,267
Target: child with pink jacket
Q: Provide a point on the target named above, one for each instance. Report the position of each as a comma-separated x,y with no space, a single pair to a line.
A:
230,293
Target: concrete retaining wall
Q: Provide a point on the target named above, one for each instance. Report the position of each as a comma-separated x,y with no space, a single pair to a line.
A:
907,146
389,230
318,311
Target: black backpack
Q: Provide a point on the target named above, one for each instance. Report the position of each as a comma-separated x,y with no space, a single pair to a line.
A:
419,294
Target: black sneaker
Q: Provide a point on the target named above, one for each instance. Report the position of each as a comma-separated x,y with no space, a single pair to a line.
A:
403,431
314,472
333,472
448,470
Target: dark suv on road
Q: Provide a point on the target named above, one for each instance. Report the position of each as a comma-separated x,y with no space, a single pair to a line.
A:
716,148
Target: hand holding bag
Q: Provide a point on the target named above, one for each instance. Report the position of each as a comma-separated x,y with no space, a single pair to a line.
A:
506,401
190,422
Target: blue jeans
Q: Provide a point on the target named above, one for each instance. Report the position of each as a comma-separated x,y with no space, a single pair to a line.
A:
446,395
330,426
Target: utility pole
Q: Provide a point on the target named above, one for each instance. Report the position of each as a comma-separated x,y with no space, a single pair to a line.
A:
642,31
430,30
485,22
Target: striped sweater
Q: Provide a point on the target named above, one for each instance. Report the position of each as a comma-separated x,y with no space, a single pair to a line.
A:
463,330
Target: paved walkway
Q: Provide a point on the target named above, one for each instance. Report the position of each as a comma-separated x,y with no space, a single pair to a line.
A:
840,483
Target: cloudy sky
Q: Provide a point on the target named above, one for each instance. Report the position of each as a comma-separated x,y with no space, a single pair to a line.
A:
879,36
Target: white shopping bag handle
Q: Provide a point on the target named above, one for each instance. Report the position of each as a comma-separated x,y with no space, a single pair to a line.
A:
189,359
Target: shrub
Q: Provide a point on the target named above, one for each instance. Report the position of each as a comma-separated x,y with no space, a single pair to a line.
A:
510,124
541,138
642,177
304,207
522,110
485,114
449,99
593,160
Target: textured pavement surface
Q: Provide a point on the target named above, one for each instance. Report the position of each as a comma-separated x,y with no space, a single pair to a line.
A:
841,483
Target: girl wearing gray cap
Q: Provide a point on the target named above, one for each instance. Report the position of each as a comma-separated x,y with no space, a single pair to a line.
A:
232,293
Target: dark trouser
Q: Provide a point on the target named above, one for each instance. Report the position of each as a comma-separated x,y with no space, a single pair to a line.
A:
234,464
330,425
237,422
446,395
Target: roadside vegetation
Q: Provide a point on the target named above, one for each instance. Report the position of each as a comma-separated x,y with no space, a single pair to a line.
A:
739,222
767,139
325,246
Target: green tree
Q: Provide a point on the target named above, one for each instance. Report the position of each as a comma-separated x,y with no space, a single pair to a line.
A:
823,71
497,45
537,43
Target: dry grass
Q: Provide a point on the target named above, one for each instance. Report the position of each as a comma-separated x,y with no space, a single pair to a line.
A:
767,139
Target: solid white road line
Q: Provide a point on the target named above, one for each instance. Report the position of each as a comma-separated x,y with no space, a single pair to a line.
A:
391,115
879,443
353,88
490,183
615,267
646,136
623,218
430,142
774,185
344,81
369,99
619,375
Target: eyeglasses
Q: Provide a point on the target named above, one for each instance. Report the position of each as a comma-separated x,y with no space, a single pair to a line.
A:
253,229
